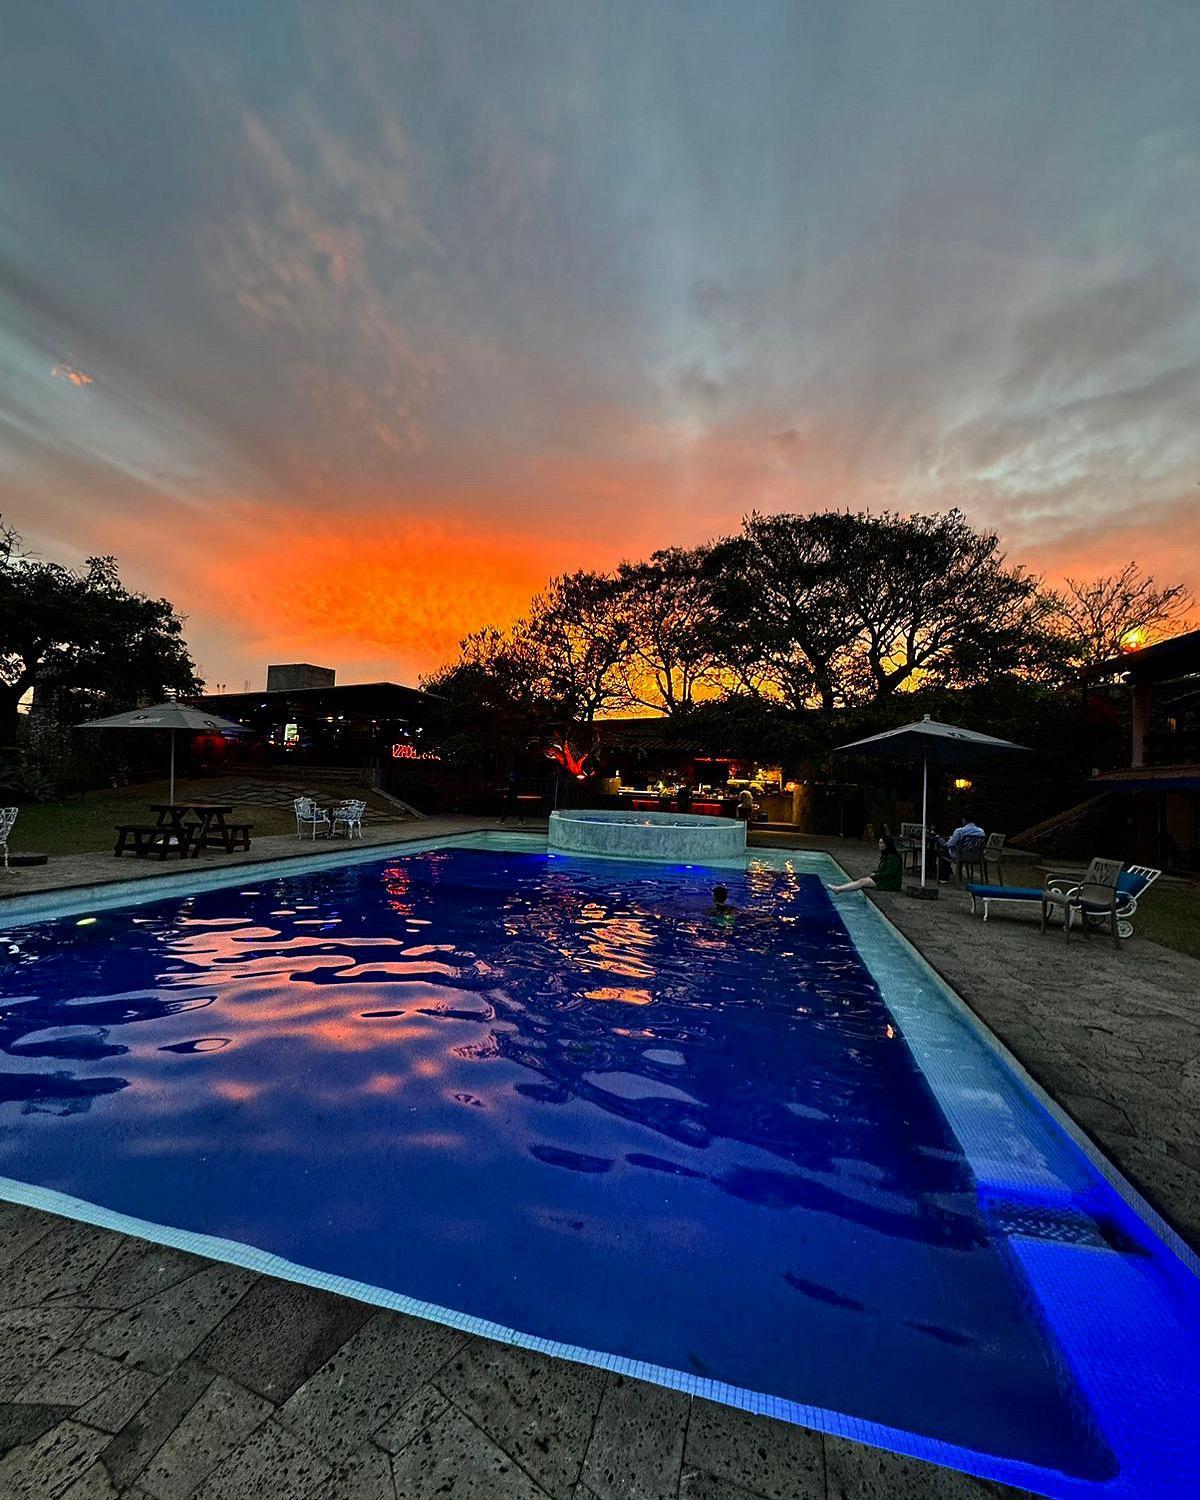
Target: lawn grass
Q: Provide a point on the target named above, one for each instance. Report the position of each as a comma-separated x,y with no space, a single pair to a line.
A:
87,825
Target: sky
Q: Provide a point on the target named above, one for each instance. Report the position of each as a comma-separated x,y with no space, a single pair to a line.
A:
345,325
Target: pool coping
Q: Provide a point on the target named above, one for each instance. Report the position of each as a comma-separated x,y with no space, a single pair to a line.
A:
73,900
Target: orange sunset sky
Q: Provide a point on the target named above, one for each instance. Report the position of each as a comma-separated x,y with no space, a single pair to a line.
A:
344,327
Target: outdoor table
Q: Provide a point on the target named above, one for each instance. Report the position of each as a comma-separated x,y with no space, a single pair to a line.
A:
906,847
213,831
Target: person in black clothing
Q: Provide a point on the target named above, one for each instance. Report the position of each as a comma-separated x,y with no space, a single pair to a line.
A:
512,803
888,876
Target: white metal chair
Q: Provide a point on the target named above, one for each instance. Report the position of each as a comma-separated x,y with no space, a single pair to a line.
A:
309,815
1096,898
349,815
8,816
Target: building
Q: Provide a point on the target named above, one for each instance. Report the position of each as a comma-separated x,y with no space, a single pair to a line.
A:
304,717
1160,787
643,762
297,675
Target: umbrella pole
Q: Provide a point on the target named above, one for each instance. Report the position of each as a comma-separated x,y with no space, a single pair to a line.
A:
924,815
171,794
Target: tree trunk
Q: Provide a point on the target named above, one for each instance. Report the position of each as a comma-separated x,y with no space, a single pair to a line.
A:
10,697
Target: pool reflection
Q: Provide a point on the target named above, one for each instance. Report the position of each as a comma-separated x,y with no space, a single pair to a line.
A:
556,1094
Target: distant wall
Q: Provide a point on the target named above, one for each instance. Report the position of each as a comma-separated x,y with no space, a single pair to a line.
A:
292,677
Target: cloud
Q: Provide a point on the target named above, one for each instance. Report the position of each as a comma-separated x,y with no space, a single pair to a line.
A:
69,372
394,313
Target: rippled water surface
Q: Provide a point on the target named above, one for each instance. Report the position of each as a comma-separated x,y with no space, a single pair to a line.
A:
552,1093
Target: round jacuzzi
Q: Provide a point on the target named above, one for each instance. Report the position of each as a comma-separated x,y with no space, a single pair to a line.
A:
691,837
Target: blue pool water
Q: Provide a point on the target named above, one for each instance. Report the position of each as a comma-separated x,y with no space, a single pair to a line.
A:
557,1095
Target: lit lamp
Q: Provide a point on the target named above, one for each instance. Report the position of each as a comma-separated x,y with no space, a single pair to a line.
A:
962,784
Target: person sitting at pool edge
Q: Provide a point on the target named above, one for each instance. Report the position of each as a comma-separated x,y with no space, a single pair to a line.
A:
720,902
888,872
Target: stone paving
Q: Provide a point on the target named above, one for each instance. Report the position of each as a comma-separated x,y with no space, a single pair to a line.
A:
143,1372
132,1370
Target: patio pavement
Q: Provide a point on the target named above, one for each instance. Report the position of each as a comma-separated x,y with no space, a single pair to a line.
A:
137,1371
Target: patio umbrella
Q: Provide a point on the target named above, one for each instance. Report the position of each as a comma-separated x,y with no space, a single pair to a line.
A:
931,743
171,716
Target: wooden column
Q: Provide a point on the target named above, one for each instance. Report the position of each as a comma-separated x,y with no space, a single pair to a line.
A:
1141,722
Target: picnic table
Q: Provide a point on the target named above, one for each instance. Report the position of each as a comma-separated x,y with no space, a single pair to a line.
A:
209,831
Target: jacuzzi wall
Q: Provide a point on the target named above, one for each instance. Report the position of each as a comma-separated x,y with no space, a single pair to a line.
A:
688,837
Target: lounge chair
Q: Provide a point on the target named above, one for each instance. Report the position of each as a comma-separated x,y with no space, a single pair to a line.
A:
309,815
1131,886
1094,898
8,816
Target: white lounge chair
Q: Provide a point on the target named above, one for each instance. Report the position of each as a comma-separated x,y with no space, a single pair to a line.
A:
8,816
349,815
309,815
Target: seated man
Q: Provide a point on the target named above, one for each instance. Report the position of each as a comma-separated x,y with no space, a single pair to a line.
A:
967,829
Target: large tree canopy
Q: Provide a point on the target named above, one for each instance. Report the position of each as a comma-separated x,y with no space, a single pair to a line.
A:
834,612
82,630
842,609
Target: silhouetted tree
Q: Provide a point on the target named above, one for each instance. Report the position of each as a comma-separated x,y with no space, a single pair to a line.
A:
574,644
670,650
840,608
1101,618
82,632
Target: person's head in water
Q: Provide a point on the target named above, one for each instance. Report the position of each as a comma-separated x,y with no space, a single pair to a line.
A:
720,895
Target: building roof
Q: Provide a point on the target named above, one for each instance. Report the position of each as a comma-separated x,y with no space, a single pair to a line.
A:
1177,656
1149,779
377,700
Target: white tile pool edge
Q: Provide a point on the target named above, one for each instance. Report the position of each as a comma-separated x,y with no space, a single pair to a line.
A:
867,925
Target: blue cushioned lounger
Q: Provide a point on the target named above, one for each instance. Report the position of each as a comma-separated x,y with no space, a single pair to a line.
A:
1019,895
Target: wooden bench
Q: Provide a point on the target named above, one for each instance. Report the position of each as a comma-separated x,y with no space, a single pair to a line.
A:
145,839
228,836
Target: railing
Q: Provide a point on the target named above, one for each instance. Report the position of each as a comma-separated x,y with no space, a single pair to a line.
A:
1173,747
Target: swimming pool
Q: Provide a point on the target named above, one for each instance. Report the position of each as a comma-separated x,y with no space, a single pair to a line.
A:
769,1160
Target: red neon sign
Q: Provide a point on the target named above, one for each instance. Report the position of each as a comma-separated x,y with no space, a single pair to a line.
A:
410,752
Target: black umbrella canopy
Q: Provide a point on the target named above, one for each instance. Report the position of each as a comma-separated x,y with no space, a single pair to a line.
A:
928,740
171,716
167,716
931,743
